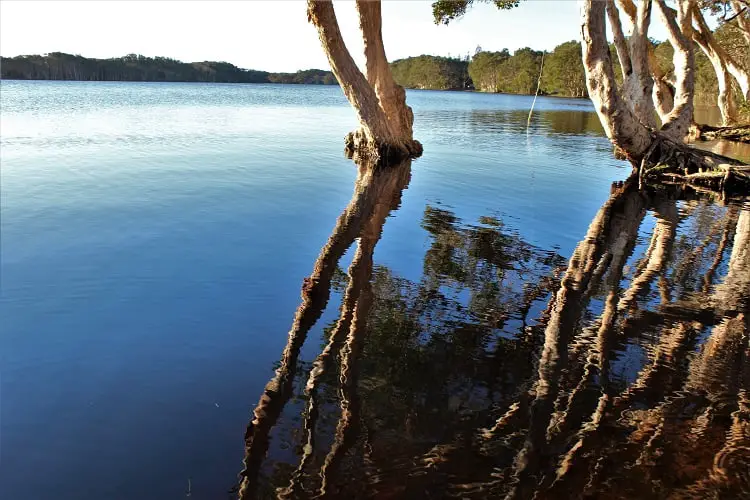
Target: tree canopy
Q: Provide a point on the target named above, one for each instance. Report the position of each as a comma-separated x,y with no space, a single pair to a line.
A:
444,11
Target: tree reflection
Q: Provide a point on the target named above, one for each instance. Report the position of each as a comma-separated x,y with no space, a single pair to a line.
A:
506,372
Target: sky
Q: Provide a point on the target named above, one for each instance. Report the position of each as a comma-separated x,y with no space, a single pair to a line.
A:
271,35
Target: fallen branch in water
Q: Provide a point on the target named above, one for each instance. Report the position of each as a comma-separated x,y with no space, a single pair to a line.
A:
672,162
736,133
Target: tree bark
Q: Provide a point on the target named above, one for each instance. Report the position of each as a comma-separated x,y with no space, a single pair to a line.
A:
620,124
392,97
720,59
677,123
663,92
743,18
661,155
377,137
638,88
725,99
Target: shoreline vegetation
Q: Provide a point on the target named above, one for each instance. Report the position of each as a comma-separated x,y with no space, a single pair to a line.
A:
485,71
423,72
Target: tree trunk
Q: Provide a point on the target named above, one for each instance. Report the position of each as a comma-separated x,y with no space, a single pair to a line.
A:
377,136
719,56
639,85
677,123
704,37
720,61
662,94
391,96
743,18
620,124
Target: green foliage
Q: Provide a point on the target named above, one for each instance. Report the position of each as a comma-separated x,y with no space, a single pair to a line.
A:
518,74
563,71
134,67
484,70
431,72
308,76
444,11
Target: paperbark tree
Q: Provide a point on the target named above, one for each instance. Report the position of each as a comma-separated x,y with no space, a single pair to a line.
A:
642,145
384,117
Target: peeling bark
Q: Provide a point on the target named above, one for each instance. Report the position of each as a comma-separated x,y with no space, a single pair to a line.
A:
639,85
705,40
704,35
662,93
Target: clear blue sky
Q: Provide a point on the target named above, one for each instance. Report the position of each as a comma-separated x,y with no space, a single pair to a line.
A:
271,35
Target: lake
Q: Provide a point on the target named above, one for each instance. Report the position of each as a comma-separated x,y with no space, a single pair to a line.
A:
202,297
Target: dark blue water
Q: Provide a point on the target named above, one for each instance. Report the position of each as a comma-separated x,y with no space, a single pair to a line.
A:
155,238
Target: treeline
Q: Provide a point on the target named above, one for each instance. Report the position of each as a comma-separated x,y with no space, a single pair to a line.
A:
497,71
486,71
562,72
138,68
432,72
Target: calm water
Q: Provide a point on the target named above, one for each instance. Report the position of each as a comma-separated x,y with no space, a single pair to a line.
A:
201,297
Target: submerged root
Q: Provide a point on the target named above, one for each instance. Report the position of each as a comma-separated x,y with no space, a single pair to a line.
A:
737,133
359,145
667,161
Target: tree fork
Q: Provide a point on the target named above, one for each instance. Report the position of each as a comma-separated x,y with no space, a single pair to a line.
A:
381,137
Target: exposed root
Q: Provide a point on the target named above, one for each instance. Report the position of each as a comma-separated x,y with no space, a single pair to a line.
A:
737,133
672,162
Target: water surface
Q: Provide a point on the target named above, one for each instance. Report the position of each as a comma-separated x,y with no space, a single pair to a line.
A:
201,295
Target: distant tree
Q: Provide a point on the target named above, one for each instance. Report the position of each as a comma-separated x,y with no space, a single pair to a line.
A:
431,72
563,71
485,69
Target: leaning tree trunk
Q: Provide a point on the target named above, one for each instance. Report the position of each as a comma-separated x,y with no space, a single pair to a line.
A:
722,61
704,36
379,136
725,99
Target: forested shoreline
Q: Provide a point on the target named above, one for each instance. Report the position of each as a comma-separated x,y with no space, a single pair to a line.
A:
485,71
138,68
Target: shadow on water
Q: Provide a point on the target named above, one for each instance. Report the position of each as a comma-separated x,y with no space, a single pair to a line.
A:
507,371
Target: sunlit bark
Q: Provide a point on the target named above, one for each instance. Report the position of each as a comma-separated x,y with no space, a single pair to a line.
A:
620,124
384,118
715,54
391,96
742,11
679,31
661,154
